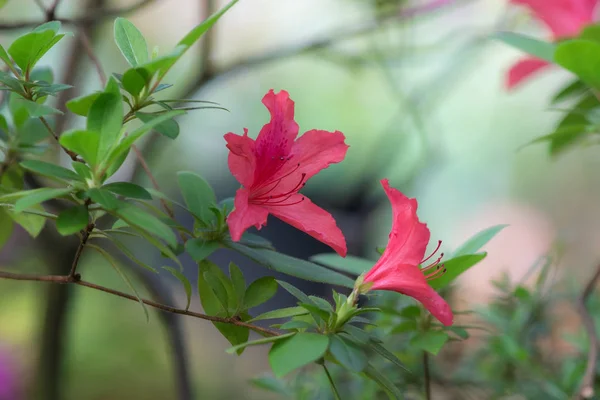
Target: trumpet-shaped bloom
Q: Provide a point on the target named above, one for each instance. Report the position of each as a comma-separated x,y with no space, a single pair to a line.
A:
398,268
273,168
564,19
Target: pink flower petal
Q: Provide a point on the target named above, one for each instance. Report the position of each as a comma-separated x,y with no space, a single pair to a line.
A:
523,70
245,215
275,140
409,280
241,160
312,152
565,18
409,237
312,219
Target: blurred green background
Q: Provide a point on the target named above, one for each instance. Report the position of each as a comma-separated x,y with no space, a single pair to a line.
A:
421,101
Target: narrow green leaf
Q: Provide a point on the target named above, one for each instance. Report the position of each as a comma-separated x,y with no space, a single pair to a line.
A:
186,284
258,342
430,341
199,248
116,267
455,267
72,220
54,26
83,142
4,56
103,197
575,88
27,49
260,291
125,250
529,45
33,224
348,354
281,313
163,63
385,353
148,223
273,385
169,128
106,118
50,170
197,194
128,189
294,291
81,105
39,196
296,351
131,42
201,29
296,325
36,110
479,240
384,382
350,264
292,266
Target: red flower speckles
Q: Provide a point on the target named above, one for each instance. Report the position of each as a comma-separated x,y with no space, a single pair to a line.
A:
275,166
564,18
398,268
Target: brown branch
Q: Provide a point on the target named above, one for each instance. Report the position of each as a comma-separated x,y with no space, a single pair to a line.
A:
74,156
85,235
66,279
90,17
586,390
87,46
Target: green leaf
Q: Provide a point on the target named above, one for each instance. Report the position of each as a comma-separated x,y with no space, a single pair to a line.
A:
116,267
564,137
163,63
131,42
169,128
212,305
250,239
296,325
455,267
590,32
148,223
281,313
199,248
50,170
294,291
128,189
350,264
383,381
106,199
81,105
292,266
201,29
36,110
297,351
85,143
348,354
260,291
134,81
6,227
575,88
186,284
458,331
238,282
27,49
84,172
4,56
197,194
106,118
125,144
72,220
33,224
385,353
272,385
480,239
534,47
54,26
11,83
430,341
258,342
39,196
582,57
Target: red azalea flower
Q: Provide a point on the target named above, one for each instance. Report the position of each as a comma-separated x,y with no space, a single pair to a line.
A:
398,268
564,18
275,166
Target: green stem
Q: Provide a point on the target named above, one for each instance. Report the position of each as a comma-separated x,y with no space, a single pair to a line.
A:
336,394
426,377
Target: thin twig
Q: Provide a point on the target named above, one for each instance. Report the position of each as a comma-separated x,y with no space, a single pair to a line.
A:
85,234
586,390
426,376
336,394
74,156
91,17
66,279
87,46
